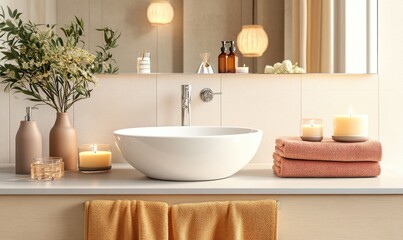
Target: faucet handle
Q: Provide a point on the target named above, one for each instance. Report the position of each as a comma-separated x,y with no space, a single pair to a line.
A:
206,94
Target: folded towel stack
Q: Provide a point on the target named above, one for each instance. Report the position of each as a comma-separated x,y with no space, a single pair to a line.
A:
296,158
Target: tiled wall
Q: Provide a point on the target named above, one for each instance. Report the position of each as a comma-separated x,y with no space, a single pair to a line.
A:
273,103
390,79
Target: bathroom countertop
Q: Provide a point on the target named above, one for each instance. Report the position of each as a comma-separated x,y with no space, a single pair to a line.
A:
253,179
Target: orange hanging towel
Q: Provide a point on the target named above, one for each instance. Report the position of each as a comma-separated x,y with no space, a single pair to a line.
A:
240,220
126,220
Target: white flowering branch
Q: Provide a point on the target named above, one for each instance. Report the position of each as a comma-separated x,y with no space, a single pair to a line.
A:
48,68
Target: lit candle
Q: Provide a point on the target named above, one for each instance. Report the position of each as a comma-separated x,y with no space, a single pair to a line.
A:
243,69
350,125
312,130
95,157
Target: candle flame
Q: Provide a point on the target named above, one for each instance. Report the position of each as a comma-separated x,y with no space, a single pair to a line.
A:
95,148
312,122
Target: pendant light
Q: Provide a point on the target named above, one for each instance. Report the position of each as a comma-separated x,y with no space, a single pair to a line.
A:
252,41
160,12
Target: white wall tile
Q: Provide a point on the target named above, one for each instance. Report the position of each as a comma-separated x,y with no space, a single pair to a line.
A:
169,99
390,44
324,95
4,126
273,103
267,102
120,101
45,117
390,80
391,132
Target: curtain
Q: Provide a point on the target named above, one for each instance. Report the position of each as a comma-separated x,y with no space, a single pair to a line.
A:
313,35
37,11
42,11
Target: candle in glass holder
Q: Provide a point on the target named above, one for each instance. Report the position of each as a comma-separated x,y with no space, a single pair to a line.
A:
47,168
311,130
94,158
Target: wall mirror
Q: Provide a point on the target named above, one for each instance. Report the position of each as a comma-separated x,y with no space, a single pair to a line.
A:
336,36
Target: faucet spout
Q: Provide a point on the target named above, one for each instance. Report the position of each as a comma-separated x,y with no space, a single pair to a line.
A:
185,105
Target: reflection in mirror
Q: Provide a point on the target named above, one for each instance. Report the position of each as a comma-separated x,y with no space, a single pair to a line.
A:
332,36
321,35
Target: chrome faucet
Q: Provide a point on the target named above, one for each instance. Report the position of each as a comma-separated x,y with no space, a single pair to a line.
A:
185,105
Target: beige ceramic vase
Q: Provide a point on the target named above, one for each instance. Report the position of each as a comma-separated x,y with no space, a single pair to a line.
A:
63,141
28,144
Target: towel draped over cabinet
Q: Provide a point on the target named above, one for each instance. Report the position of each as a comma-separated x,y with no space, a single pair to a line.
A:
135,219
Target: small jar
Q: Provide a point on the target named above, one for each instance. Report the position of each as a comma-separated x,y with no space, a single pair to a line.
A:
144,63
311,130
94,158
47,168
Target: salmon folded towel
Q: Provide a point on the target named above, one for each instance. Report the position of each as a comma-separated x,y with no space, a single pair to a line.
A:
225,220
284,167
294,147
126,219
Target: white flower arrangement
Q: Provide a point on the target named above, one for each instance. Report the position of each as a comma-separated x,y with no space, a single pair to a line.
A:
283,68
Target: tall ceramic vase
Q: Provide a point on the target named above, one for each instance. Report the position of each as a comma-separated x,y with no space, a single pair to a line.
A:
63,141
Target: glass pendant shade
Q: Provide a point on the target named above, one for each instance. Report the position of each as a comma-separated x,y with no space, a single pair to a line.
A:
160,12
252,41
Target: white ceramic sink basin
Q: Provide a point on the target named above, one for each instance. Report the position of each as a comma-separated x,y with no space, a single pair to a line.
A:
188,153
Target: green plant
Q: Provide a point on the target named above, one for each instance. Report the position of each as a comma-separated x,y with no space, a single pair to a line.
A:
49,68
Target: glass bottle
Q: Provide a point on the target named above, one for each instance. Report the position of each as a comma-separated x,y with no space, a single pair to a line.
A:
231,62
222,59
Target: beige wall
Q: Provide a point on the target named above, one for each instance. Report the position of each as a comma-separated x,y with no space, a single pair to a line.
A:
390,91
198,27
129,17
271,15
390,78
273,103
207,23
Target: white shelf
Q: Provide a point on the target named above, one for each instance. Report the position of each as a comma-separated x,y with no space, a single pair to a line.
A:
253,179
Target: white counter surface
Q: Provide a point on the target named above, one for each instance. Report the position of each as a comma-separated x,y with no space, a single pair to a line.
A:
253,179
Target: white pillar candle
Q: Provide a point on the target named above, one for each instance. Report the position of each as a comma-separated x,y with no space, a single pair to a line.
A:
350,125
311,130
243,69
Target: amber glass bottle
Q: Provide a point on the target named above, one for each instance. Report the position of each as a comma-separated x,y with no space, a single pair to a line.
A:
231,62
222,59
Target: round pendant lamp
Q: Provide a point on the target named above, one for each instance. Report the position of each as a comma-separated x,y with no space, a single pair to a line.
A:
160,12
252,41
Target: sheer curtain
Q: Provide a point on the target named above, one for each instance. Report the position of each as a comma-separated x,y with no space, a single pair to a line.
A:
37,11
313,35
42,11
